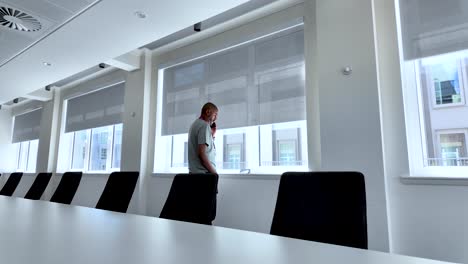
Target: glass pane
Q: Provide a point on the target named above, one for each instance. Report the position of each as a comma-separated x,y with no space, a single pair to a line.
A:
117,149
23,156
287,153
441,85
179,151
99,148
32,157
445,80
80,149
452,150
233,156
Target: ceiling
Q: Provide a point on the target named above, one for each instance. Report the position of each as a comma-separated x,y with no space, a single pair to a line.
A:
75,35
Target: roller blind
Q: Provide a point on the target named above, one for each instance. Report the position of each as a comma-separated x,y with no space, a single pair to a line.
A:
432,27
261,82
103,107
27,126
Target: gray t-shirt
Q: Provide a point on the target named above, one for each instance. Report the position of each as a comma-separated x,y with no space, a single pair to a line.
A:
200,133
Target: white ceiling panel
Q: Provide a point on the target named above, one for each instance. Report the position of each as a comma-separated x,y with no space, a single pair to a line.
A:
105,31
40,8
72,6
23,22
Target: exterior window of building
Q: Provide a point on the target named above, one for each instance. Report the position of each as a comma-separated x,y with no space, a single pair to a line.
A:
286,152
443,80
451,148
234,152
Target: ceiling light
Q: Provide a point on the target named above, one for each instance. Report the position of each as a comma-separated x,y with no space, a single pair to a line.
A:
140,14
45,63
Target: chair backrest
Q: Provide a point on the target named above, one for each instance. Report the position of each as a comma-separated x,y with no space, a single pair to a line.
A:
118,192
11,184
67,187
192,198
39,185
328,207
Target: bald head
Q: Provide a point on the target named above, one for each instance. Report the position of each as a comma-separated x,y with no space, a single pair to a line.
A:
208,107
209,112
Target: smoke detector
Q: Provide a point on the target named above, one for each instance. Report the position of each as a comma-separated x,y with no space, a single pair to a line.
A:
18,20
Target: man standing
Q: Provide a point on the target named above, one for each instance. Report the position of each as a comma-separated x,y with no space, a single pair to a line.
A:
201,148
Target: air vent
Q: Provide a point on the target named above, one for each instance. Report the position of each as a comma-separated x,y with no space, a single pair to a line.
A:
18,20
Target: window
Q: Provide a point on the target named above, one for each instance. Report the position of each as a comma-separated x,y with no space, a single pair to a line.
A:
234,152
80,149
438,100
92,141
117,146
434,70
27,156
97,149
259,88
442,80
287,144
451,148
101,144
26,130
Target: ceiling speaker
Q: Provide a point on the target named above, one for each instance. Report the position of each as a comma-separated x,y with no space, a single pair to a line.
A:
18,20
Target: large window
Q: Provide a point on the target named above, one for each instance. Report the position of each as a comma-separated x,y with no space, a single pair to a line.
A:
259,88
435,90
26,130
27,155
434,67
92,141
97,149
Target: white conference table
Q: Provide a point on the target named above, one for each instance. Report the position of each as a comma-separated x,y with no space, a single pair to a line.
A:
42,232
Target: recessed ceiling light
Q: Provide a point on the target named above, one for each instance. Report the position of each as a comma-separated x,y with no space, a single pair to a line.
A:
45,63
140,14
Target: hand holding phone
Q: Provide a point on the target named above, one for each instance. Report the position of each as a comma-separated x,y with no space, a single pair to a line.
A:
213,129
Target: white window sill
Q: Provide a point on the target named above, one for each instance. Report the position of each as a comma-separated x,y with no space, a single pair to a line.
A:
229,176
431,180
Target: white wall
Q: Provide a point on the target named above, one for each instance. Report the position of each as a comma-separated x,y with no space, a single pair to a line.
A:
349,104
430,221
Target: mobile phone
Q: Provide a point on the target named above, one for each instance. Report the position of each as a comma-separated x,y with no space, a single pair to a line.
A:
213,125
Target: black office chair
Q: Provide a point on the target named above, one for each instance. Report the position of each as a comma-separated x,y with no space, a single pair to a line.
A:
67,187
39,185
328,207
11,184
118,191
192,198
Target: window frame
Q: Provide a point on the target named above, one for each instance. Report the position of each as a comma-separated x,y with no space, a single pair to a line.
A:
28,153
415,122
87,160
